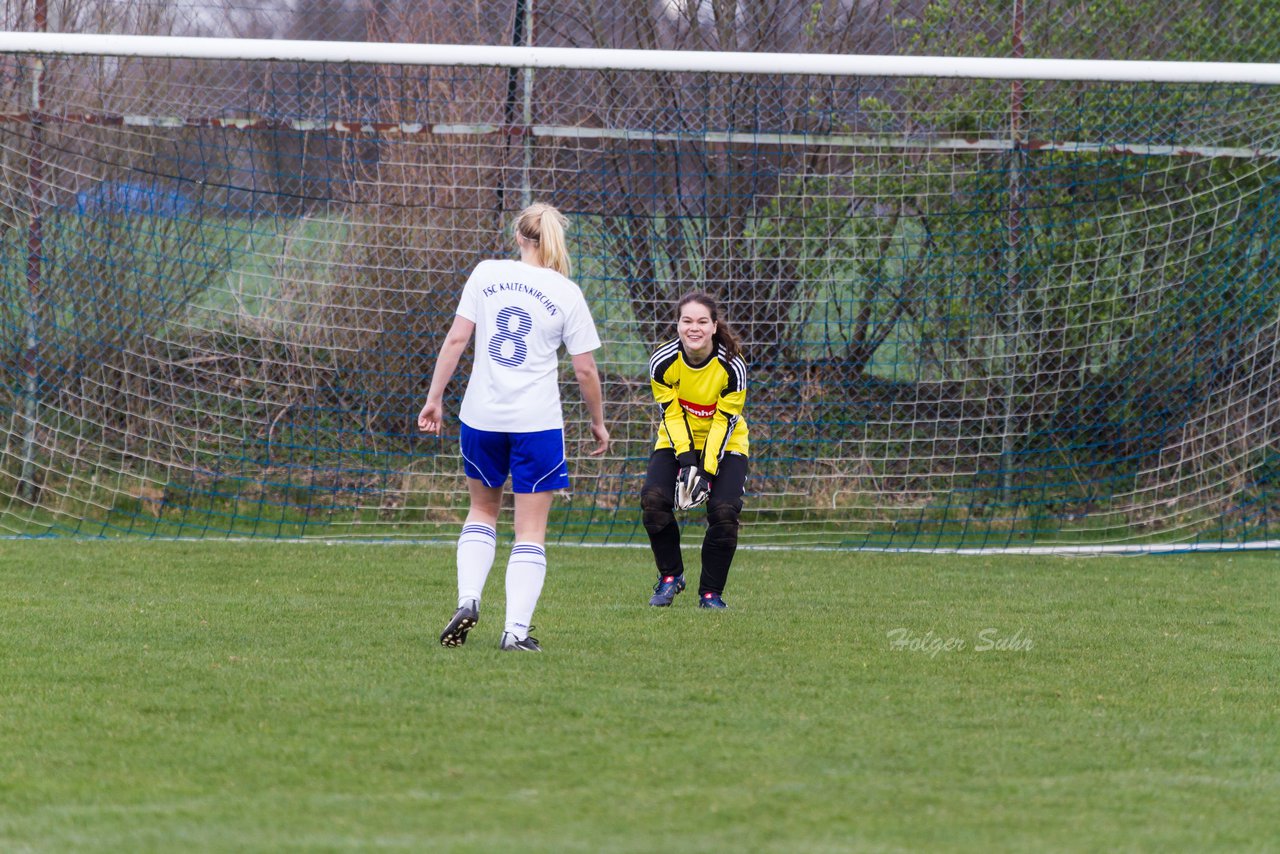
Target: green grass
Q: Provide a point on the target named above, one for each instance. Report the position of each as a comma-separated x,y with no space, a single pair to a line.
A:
244,697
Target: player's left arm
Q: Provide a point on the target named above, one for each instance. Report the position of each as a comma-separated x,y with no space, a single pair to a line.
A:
729,408
581,340
588,375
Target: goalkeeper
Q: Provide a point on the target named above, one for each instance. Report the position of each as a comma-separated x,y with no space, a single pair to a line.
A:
699,379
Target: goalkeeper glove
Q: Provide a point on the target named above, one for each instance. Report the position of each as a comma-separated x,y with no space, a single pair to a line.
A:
692,483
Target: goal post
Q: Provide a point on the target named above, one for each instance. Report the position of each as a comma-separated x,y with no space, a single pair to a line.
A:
605,59
972,321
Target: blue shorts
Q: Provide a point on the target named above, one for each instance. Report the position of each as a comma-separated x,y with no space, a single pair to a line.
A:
535,461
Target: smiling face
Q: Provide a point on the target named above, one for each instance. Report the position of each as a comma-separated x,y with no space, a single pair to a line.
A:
696,330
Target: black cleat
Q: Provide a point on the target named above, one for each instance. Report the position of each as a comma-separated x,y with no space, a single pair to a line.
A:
510,644
711,600
464,620
664,592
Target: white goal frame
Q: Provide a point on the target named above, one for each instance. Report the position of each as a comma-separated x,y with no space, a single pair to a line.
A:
532,58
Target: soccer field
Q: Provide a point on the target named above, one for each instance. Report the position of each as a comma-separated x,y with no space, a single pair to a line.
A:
265,697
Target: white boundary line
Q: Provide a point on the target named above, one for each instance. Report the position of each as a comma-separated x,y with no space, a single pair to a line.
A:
377,53
1047,551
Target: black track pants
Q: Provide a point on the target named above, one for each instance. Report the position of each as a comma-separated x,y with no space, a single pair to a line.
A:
657,501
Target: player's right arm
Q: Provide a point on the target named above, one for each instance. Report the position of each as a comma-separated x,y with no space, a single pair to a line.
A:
431,418
664,369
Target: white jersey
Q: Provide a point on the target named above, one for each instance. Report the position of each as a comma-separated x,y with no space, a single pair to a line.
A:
522,315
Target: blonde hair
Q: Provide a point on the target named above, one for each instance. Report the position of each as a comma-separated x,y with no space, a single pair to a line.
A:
544,226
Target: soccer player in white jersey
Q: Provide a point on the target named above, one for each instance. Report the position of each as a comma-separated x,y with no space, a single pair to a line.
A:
511,421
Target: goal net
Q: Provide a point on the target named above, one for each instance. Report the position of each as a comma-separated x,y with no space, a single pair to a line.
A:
985,304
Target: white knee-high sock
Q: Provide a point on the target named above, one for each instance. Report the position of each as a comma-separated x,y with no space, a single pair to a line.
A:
476,547
526,570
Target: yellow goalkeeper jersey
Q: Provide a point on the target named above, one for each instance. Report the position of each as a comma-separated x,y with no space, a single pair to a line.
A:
701,406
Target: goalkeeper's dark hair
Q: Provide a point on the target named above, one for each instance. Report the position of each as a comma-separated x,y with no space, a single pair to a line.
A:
544,227
724,336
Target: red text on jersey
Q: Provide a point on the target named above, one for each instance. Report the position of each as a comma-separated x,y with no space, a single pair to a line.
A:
702,410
